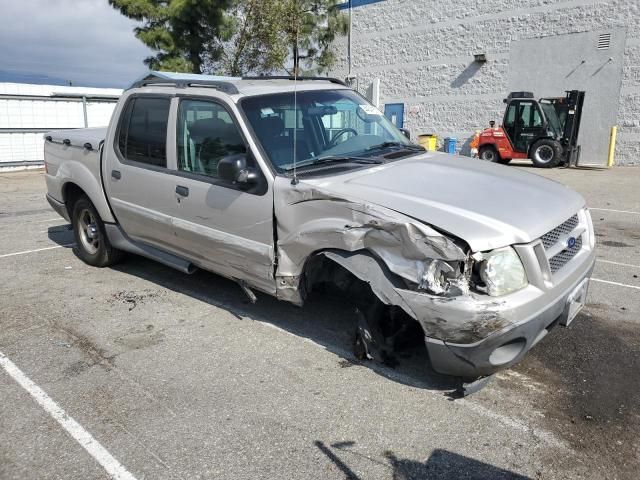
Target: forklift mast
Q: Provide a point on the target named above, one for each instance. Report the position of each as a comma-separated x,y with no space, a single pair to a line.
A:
569,111
575,101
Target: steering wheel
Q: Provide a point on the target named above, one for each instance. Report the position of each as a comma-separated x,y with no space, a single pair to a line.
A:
333,142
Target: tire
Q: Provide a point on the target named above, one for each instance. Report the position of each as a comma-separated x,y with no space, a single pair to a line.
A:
546,153
489,154
92,245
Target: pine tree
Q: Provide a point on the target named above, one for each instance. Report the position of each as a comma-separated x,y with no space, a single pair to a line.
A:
185,33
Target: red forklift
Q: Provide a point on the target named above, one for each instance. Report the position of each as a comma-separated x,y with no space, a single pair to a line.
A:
545,131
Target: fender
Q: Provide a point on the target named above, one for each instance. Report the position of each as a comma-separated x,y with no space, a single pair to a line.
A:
80,174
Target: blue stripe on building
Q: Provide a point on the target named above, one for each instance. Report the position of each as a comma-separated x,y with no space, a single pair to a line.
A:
357,3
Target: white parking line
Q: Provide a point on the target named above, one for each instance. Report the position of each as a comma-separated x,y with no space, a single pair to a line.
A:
615,283
612,210
59,219
36,250
73,428
617,263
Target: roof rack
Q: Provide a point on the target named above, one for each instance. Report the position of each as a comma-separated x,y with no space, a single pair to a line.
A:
288,77
183,80
224,84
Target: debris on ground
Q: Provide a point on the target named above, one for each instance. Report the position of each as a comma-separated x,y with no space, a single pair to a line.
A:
132,299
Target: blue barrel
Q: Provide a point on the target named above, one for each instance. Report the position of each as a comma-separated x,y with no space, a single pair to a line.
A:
450,144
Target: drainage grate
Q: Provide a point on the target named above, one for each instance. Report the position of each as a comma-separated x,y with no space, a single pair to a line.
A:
604,41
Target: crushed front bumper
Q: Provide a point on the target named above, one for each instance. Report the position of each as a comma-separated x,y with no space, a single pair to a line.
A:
475,336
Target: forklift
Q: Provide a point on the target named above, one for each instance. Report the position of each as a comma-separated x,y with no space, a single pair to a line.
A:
545,131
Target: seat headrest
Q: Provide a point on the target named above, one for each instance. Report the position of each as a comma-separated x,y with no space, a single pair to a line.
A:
207,128
272,126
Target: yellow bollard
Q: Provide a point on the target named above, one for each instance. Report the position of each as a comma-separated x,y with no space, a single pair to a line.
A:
612,145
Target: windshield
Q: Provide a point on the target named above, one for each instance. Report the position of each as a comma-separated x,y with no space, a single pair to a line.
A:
552,118
328,124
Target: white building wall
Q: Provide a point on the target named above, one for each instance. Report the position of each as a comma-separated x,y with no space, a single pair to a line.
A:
27,111
422,52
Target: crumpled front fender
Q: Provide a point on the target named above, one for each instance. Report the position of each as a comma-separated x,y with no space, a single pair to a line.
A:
309,220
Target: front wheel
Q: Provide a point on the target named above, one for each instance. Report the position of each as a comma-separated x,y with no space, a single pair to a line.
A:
546,153
93,246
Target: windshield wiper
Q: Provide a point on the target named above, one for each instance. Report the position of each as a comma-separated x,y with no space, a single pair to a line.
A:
335,159
406,146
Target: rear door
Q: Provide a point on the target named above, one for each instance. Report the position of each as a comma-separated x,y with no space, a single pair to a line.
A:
219,225
137,174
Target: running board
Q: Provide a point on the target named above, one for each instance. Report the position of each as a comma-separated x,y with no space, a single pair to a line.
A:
120,240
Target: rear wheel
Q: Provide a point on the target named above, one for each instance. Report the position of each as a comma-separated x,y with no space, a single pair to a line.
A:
546,153
489,154
93,246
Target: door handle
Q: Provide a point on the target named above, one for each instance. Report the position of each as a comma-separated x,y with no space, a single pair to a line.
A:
182,191
116,174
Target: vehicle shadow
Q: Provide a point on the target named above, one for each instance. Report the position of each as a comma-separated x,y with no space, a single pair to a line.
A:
327,320
441,464
526,164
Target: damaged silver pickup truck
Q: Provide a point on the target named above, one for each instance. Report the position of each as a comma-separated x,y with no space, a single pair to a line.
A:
284,186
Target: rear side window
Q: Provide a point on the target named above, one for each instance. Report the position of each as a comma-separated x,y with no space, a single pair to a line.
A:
143,131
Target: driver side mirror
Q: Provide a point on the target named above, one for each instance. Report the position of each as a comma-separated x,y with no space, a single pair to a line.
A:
234,169
406,133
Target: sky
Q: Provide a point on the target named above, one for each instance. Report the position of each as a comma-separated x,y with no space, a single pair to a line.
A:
86,42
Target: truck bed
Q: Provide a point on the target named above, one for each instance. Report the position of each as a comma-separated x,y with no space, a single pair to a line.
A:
79,136
68,158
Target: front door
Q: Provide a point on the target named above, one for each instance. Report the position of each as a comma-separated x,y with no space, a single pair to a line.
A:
395,113
217,224
523,124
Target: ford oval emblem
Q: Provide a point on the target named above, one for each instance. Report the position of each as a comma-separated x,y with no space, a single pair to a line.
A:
571,242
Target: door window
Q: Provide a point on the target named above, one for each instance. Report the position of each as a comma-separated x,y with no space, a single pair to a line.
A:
143,131
206,133
529,116
510,117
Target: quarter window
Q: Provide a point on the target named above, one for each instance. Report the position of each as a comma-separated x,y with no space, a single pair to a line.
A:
206,133
143,132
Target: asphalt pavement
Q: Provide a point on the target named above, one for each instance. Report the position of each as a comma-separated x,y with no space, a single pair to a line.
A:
142,372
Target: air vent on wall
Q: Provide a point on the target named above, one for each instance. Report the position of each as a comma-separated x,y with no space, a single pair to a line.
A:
604,41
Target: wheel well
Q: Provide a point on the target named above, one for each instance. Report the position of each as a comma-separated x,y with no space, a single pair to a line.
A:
70,194
320,270
330,278
492,146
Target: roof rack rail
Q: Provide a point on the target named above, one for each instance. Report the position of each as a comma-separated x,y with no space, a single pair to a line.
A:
288,77
183,80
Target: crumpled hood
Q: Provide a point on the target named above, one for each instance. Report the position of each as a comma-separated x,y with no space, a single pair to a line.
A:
485,204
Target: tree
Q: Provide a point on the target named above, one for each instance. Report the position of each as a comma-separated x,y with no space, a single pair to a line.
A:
256,46
269,34
184,32
310,27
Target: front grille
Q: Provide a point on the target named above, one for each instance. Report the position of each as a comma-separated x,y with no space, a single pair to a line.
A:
551,238
560,260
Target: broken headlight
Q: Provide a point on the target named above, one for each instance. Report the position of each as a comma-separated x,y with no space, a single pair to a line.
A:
443,278
501,271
